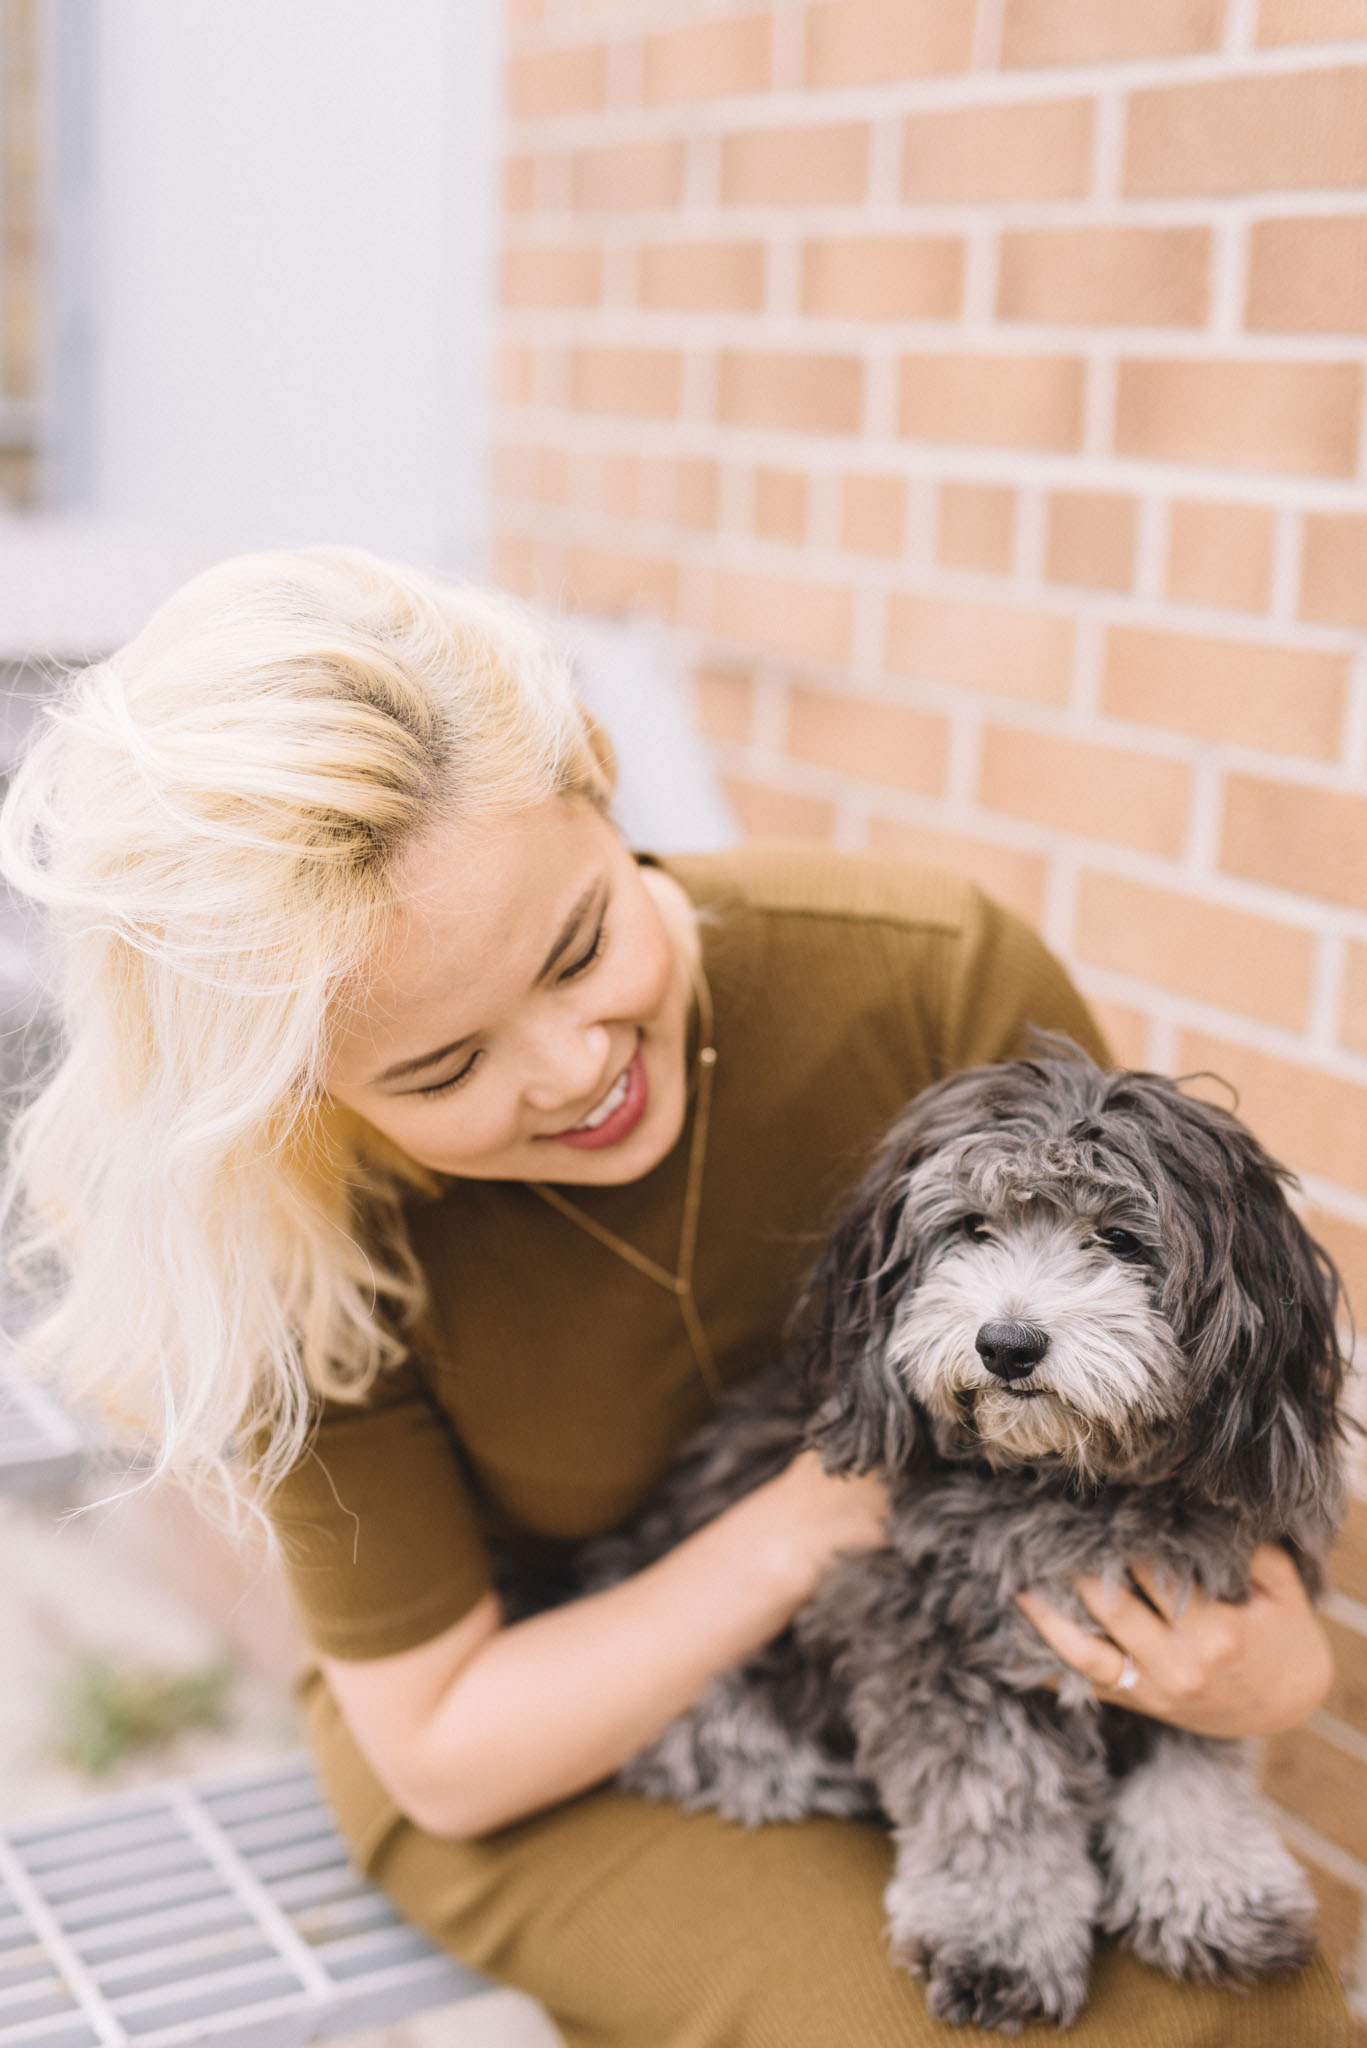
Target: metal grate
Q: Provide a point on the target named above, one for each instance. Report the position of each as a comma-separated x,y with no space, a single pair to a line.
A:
219,1910
40,1449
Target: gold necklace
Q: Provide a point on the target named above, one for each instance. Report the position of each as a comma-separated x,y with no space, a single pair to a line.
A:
680,1282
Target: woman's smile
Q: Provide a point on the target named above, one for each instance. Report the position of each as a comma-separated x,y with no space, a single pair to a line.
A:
617,1115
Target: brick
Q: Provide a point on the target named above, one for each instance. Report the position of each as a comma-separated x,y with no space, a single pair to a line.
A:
1309,1119
515,375
519,184
1013,878
811,620
780,504
610,580
873,515
515,471
1100,32
1252,964
1003,649
707,60
1311,21
1106,276
876,742
628,175
553,478
992,401
1126,1031
1110,793
1308,276
1091,539
726,704
1310,841
768,813
1289,700
552,277
866,42
977,527
1353,1017
884,277
807,394
563,81
644,382
1334,568
808,166
1348,1566
1037,151
701,277
620,479
1288,417
1220,554
1348,1699
1279,133
1346,1244
697,492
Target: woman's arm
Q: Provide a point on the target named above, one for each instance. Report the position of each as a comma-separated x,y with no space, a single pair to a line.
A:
486,1724
1255,1668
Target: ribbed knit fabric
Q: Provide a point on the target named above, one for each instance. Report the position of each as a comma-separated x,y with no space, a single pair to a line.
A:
553,1386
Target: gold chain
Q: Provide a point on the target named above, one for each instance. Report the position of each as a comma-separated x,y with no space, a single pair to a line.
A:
680,1282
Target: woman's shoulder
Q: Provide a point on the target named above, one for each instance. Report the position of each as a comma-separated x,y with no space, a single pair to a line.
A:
792,879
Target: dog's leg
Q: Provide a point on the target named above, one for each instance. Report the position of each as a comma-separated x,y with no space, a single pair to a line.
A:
1196,1877
994,1893
732,1753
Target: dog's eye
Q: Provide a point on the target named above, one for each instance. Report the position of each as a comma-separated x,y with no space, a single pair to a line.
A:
976,1228
1122,1242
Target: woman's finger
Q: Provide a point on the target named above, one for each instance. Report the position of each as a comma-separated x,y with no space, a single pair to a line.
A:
1127,1619
1096,1657
1161,1592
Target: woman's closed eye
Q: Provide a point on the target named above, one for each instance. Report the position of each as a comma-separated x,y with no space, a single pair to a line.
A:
452,1081
586,960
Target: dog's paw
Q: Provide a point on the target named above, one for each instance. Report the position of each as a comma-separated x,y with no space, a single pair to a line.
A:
1198,1881
984,1991
1231,1940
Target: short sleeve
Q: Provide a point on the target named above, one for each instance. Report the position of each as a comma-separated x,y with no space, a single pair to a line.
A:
1003,982
378,1534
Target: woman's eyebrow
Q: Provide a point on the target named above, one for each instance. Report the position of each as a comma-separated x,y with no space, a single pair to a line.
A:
565,938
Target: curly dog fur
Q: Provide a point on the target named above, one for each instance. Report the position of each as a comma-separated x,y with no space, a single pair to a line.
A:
1073,1318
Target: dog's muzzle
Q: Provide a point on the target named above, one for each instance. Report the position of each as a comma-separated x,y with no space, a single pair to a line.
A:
1011,1350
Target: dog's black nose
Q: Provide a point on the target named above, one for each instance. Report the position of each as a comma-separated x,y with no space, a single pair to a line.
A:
1011,1350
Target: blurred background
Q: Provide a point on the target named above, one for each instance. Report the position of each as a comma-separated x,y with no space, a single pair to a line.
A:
961,399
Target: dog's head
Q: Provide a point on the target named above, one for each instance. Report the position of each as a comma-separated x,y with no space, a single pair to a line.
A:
1054,1266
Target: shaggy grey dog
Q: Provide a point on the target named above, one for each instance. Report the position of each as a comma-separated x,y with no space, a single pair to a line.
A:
1072,1317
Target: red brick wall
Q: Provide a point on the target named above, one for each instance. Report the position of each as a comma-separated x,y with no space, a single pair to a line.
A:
979,389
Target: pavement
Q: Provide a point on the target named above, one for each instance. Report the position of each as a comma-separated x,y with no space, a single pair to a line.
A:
145,1584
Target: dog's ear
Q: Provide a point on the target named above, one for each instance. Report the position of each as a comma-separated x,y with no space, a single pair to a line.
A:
1265,1420
861,1414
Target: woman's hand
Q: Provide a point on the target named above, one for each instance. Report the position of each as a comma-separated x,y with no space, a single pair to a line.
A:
821,1513
1256,1668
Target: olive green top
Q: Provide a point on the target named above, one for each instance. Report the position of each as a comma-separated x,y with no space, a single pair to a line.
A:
554,1382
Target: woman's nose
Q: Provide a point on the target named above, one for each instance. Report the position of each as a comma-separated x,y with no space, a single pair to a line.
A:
568,1066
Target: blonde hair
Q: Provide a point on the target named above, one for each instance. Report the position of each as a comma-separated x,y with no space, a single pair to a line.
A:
211,819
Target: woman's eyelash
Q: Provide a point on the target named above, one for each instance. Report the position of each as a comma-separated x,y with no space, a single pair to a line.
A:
452,1080
586,960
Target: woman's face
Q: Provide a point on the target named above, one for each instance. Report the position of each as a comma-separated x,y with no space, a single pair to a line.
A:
525,1015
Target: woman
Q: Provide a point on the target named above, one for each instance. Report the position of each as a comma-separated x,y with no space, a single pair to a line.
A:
456,1159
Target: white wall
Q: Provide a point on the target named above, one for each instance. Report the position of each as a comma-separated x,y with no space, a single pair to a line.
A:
292,215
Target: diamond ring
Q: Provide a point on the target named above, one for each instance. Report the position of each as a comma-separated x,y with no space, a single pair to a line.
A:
1129,1676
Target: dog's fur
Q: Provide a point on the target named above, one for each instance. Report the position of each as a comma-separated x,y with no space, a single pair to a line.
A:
1184,1411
